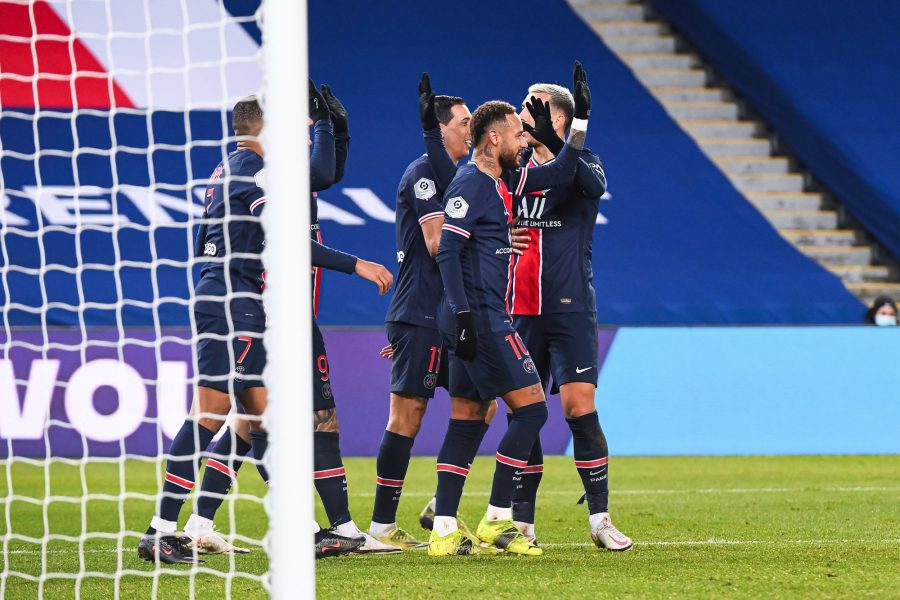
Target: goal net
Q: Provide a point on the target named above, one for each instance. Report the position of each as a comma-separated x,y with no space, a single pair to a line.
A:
113,116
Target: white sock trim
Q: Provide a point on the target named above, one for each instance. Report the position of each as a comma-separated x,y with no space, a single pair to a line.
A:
163,526
381,529
498,513
445,525
196,524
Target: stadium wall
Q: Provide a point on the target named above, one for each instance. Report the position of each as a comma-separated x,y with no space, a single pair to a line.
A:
772,390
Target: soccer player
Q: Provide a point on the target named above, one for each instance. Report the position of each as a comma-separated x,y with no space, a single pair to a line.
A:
230,319
418,362
327,160
553,304
488,357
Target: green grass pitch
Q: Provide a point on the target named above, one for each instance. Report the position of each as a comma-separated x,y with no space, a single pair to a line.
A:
736,527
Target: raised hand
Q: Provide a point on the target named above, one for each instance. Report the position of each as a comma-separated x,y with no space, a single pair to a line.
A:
582,93
318,108
542,130
336,109
426,104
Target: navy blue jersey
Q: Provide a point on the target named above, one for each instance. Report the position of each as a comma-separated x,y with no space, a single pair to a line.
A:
418,287
475,255
476,229
234,241
555,273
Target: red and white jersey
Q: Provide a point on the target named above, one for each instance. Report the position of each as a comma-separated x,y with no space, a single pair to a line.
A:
555,273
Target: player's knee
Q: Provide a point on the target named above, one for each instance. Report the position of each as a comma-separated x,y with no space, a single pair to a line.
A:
577,399
406,415
214,424
468,410
325,420
535,414
491,411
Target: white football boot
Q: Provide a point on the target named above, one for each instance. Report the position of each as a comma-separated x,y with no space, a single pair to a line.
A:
207,540
605,534
371,545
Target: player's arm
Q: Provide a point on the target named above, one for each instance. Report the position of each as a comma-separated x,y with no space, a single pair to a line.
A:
341,131
440,161
335,260
590,175
455,233
562,170
432,230
322,157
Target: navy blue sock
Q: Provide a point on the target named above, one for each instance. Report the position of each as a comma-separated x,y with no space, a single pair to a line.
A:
221,470
182,467
259,440
484,427
390,466
591,452
453,463
525,496
330,477
514,450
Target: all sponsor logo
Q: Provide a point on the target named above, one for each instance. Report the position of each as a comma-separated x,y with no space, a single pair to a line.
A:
209,249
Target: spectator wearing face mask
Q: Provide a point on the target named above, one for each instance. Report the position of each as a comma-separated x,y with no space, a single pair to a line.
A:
883,312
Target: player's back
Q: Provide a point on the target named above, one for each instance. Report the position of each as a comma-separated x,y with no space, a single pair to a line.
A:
555,273
476,208
417,289
233,240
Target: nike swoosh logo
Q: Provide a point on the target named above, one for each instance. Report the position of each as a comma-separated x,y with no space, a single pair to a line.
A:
462,336
328,547
582,369
520,472
595,472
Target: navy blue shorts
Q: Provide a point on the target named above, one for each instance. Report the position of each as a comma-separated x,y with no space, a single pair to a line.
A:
563,345
323,397
232,362
502,364
419,364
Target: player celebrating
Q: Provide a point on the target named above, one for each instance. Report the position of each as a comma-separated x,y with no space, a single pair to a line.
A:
418,363
554,308
489,359
230,320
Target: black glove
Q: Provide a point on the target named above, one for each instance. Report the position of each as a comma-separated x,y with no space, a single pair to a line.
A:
542,130
337,110
582,93
318,108
466,336
426,104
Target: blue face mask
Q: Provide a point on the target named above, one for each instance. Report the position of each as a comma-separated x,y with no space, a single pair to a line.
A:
885,320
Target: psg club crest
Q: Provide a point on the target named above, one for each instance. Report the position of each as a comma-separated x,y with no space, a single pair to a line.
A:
430,380
326,391
528,365
239,373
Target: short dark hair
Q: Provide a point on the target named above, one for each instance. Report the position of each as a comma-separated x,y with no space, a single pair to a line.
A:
247,113
486,115
443,106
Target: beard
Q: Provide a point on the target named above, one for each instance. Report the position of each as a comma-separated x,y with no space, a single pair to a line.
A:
510,160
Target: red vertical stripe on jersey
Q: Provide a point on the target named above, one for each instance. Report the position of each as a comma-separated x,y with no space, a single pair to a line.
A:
317,281
60,66
526,289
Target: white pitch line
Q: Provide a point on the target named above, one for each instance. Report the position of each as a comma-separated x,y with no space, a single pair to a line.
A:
652,492
718,542
709,542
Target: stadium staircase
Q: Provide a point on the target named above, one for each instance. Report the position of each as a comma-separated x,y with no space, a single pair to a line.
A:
752,157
